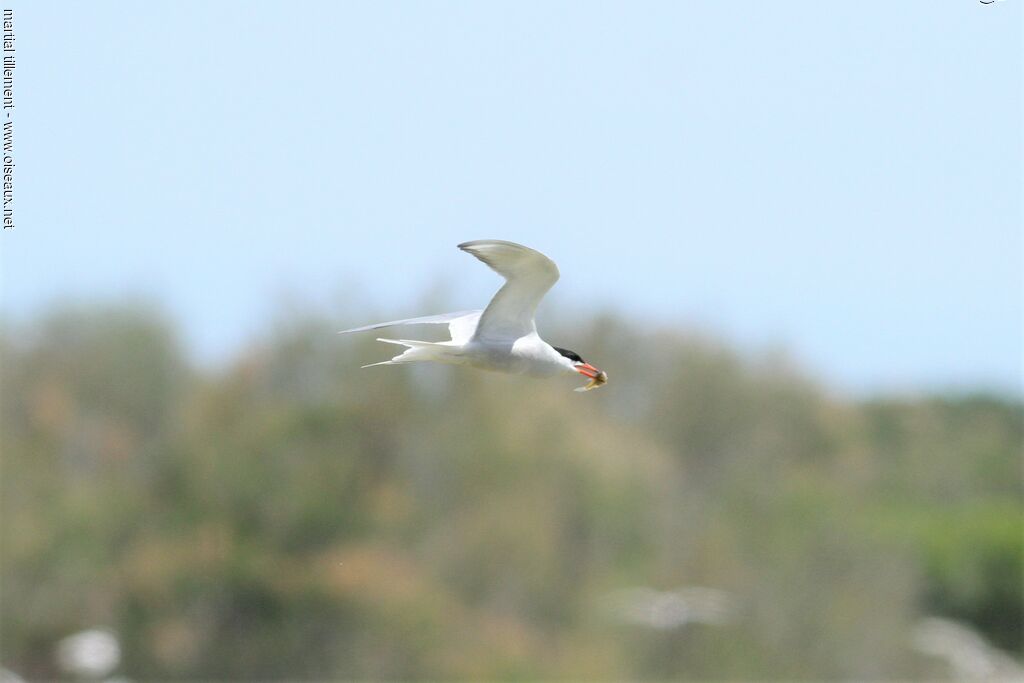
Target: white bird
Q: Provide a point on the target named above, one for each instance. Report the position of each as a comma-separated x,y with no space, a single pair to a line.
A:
502,337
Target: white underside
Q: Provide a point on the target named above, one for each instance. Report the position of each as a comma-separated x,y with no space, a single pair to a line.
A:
526,355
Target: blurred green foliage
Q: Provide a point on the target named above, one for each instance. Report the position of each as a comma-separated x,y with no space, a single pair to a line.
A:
292,516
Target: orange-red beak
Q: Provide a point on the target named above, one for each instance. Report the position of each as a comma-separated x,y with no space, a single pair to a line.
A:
588,370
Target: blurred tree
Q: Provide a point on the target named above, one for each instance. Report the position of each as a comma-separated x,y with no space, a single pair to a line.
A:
292,516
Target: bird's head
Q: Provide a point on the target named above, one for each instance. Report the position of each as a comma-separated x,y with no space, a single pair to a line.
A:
575,363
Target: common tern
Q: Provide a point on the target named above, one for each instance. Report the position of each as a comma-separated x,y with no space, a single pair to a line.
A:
502,337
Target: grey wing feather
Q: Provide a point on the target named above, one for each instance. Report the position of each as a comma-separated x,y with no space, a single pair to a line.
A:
528,275
457,323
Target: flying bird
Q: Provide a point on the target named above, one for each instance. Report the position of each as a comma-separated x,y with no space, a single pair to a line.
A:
502,337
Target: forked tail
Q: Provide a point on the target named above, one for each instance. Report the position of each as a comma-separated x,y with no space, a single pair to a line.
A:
416,351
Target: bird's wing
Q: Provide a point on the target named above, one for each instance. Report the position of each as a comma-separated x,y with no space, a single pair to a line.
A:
462,328
461,324
528,276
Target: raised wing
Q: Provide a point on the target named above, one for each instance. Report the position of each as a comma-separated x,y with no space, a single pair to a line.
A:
461,324
528,276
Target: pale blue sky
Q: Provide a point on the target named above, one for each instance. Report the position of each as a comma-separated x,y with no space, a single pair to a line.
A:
839,178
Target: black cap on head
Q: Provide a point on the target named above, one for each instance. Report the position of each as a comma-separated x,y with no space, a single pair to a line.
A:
571,355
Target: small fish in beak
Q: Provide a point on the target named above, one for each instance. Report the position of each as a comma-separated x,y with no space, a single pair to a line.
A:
597,377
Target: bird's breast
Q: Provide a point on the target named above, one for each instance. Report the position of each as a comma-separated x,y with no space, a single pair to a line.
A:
523,356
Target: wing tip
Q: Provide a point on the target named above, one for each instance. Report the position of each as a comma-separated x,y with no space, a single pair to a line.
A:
471,244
